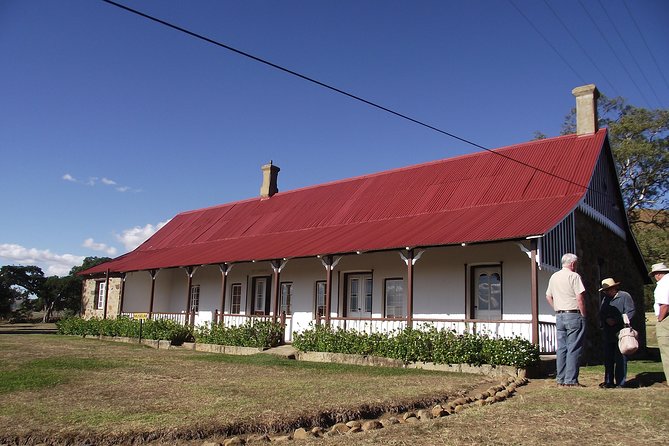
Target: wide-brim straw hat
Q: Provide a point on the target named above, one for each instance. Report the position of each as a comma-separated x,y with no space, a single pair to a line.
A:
658,268
608,283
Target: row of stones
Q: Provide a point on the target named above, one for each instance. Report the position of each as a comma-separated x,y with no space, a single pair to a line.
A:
492,395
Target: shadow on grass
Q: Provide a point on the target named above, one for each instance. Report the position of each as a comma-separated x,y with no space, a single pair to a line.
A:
645,379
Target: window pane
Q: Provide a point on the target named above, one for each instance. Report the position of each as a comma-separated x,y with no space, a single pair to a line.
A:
484,292
354,295
495,291
320,298
260,296
101,295
195,298
286,294
368,295
487,292
395,298
236,298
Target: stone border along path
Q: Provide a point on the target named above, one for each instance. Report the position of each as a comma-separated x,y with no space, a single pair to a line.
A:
494,394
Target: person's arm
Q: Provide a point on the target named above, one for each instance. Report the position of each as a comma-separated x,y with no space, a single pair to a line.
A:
664,312
580,300
604,318
549,298
629,307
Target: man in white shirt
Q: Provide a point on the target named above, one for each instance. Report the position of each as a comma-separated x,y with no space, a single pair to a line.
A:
659,272
566,294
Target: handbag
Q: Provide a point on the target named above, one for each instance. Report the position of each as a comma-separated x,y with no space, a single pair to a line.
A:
628,343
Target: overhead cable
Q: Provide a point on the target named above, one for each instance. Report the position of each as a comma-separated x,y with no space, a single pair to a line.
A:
337,90
622,64
652,56
548,42
590,58
631,53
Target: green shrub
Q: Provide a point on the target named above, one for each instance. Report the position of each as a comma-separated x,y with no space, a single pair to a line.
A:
258,334
172,331
513,351
426,344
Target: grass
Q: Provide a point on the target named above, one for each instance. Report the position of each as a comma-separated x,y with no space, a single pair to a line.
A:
47,372
68,389
541,413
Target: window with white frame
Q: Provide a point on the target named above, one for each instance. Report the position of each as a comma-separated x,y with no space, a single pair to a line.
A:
395,298
195,298
359,294
286,297
100,288
487,292
260,289
319,298
236,302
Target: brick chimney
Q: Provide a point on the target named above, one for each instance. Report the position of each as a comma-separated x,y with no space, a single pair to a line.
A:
270,174
586,109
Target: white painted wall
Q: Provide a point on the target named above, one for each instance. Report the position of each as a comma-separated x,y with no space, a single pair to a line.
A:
440,283
137,292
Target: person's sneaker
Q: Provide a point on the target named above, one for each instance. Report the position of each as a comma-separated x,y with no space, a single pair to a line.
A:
573,385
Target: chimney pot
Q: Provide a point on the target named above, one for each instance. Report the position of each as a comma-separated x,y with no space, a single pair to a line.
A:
586,109
270,174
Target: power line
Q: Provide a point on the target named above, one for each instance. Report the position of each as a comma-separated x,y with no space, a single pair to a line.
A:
590,58
630,53
337,90
538,31
622,64
646,44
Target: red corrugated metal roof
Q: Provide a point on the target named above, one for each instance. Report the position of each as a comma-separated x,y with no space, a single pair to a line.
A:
468,199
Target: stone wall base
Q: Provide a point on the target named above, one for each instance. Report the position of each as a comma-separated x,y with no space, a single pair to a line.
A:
342,358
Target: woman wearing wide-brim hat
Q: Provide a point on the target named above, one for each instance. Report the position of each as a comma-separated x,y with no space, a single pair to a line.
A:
615,304
659,272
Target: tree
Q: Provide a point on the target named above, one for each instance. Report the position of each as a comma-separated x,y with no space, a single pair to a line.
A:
48,294
64,293
640,143
8,295
59,293
89,262
16,283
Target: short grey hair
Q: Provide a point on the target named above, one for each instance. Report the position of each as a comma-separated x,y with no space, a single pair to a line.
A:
568,259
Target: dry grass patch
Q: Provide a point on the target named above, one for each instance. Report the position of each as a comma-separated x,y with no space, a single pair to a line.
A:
111,392
541,413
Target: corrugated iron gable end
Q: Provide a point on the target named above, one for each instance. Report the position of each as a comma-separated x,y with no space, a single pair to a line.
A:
472,198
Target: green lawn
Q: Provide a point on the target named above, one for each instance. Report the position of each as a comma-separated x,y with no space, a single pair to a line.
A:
68,386
69,389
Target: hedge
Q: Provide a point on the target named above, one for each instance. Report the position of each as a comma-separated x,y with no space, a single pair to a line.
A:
164,329
260,334
421,345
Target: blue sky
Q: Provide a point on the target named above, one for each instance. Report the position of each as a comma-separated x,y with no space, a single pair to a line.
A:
111,124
